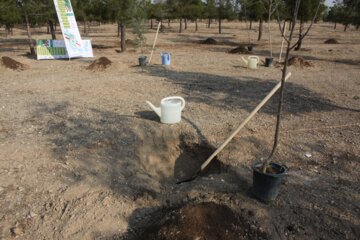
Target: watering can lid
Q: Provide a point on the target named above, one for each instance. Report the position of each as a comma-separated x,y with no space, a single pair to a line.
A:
171,101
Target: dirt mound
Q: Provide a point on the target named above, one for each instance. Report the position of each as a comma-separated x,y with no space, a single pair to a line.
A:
240,49
331,41
299,62
210,41
13,64
204,221
129,42
100,64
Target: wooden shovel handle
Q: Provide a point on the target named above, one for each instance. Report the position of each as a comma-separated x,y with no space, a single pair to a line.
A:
261,104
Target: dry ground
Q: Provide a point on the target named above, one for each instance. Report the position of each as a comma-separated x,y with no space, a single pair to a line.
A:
83,157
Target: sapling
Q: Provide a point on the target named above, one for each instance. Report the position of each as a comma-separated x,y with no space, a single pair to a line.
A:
289,48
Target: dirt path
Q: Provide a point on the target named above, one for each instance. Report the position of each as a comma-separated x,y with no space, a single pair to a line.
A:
83,157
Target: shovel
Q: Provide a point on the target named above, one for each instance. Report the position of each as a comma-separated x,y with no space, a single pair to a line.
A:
219,149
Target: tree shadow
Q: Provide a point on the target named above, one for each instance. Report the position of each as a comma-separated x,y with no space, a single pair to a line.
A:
243,93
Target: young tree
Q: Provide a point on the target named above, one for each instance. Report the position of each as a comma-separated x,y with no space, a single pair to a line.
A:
289,48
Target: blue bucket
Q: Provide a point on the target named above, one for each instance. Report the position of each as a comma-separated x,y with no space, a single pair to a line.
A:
165,58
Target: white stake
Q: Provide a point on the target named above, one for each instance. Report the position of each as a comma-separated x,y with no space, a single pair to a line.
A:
153,47
282,44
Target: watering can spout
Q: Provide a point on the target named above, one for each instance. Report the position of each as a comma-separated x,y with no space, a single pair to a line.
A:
157,110
244,60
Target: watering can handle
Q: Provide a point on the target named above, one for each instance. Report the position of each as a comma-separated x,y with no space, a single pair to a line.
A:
176,97
257,58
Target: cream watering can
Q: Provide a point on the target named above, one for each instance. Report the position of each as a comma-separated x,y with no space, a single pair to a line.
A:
252,61
170,109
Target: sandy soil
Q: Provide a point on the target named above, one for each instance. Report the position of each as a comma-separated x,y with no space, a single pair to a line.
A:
83,157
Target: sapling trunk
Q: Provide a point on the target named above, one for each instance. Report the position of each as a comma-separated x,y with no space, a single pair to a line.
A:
122,36
219,25
260,29
269,18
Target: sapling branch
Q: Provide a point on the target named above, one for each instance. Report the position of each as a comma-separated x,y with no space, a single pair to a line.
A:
281,29
302,36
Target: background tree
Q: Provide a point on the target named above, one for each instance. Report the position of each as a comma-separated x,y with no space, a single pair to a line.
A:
194,10
225,10
335,14
210,11
10,15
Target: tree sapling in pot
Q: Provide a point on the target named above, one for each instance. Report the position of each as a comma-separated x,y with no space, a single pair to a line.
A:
267,175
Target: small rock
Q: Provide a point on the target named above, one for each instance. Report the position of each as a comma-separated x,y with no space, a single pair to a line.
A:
251,213
31,214
308,155
17,231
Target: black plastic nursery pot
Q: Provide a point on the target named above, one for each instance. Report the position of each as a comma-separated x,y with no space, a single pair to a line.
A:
143,61
269,62
266,185
250,48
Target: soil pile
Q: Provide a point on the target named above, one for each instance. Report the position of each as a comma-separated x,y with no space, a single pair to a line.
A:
240,49
331,41
210,41
13,64
299,62
129,42
204,221
100,64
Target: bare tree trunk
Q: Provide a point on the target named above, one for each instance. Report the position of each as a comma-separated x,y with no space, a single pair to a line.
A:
169,22
346,27
196,25
185,23
180,30
47,29
31,43
52,30
118,29
122,36
219,25
357,27
250,26
298,47
261,23
85,29
209,22
151,23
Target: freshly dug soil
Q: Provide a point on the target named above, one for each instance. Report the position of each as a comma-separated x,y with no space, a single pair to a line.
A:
210,41
100,64
13,64
208,221
331,41
240,49
299,62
